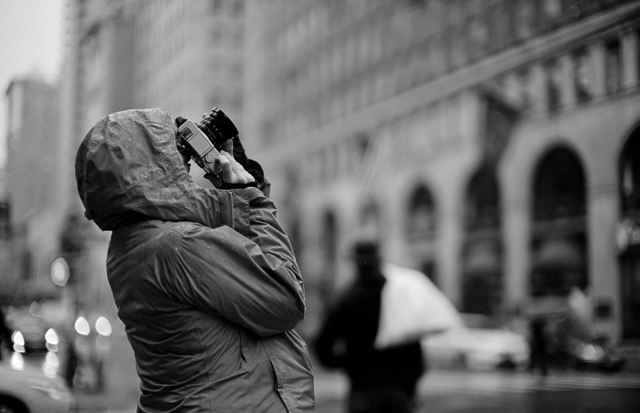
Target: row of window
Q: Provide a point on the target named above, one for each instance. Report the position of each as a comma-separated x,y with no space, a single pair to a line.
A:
589,65
578,75
464,31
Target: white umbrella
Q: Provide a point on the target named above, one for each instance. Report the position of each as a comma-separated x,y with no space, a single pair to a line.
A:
412,307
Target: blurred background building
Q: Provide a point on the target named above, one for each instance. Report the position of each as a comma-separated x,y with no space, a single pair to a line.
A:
29,221
494,145
489,144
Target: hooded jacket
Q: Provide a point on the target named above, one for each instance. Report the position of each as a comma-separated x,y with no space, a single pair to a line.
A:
204,280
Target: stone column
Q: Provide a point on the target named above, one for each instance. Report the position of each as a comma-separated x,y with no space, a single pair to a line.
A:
538,89
567,70
604,276
630,58
598,63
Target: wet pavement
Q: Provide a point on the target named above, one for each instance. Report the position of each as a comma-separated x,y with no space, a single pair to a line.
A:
440,391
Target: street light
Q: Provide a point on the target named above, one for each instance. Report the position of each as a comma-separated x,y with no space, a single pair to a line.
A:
60,272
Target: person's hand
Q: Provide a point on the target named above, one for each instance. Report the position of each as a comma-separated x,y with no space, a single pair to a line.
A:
228,172
234,146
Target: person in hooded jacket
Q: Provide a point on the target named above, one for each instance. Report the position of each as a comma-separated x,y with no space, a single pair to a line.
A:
205,280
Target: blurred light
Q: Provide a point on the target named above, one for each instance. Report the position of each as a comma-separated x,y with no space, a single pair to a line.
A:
81,344
34,309
103,326
60,272
18,342
103,346
17,361
82,326
51,337
592,353
51,364
46,387
18,338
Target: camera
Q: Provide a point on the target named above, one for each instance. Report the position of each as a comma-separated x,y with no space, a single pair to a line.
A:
203,141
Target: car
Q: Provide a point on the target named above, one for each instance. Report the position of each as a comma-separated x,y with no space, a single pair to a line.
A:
25,388
593,354
32,335
479,344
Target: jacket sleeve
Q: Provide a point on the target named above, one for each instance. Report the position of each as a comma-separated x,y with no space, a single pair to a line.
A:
247,275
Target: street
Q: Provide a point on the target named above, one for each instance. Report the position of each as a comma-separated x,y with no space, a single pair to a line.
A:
441,391
449,391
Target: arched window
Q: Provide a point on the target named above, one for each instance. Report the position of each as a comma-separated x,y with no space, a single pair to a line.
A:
482,207
559,232
369,220
421,222
630,175
482,287
559,187
629,189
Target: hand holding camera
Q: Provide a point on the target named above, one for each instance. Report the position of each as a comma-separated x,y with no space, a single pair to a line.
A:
211,144
230,174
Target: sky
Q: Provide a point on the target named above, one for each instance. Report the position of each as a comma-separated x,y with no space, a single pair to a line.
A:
30,41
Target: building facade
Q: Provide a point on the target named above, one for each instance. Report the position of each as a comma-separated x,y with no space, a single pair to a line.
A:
96,79
493,145
189,56
29,211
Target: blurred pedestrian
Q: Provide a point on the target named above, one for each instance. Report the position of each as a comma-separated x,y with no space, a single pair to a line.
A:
539,346
205,280
382,381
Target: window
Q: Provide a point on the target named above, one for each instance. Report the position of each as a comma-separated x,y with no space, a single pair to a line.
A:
630,175
523,83
421,221
582,75
552,10
478,36
216,5
559,187
613,67
525,16
553,84
482,200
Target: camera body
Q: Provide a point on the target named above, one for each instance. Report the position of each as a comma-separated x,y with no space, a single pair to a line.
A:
203,141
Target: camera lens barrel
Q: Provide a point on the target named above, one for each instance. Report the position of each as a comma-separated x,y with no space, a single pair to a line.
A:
218,127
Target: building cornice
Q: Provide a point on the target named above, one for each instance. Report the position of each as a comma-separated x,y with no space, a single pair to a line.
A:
585,31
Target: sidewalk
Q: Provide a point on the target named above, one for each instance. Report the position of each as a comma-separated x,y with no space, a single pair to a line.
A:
330,387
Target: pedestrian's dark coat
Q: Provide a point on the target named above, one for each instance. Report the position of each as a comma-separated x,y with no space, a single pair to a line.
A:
205,281
346,341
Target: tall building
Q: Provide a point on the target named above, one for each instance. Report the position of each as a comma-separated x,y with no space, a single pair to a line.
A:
493,145
29,212
189,56
96,79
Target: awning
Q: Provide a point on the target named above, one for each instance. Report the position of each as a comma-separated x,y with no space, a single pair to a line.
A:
483,258
559,255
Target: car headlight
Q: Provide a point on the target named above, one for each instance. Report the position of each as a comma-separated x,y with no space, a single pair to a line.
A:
51,337
51,364
82,326
591,352
56,392
17,361
103,326
18,342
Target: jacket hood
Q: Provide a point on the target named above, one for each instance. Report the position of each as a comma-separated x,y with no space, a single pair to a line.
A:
128,167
